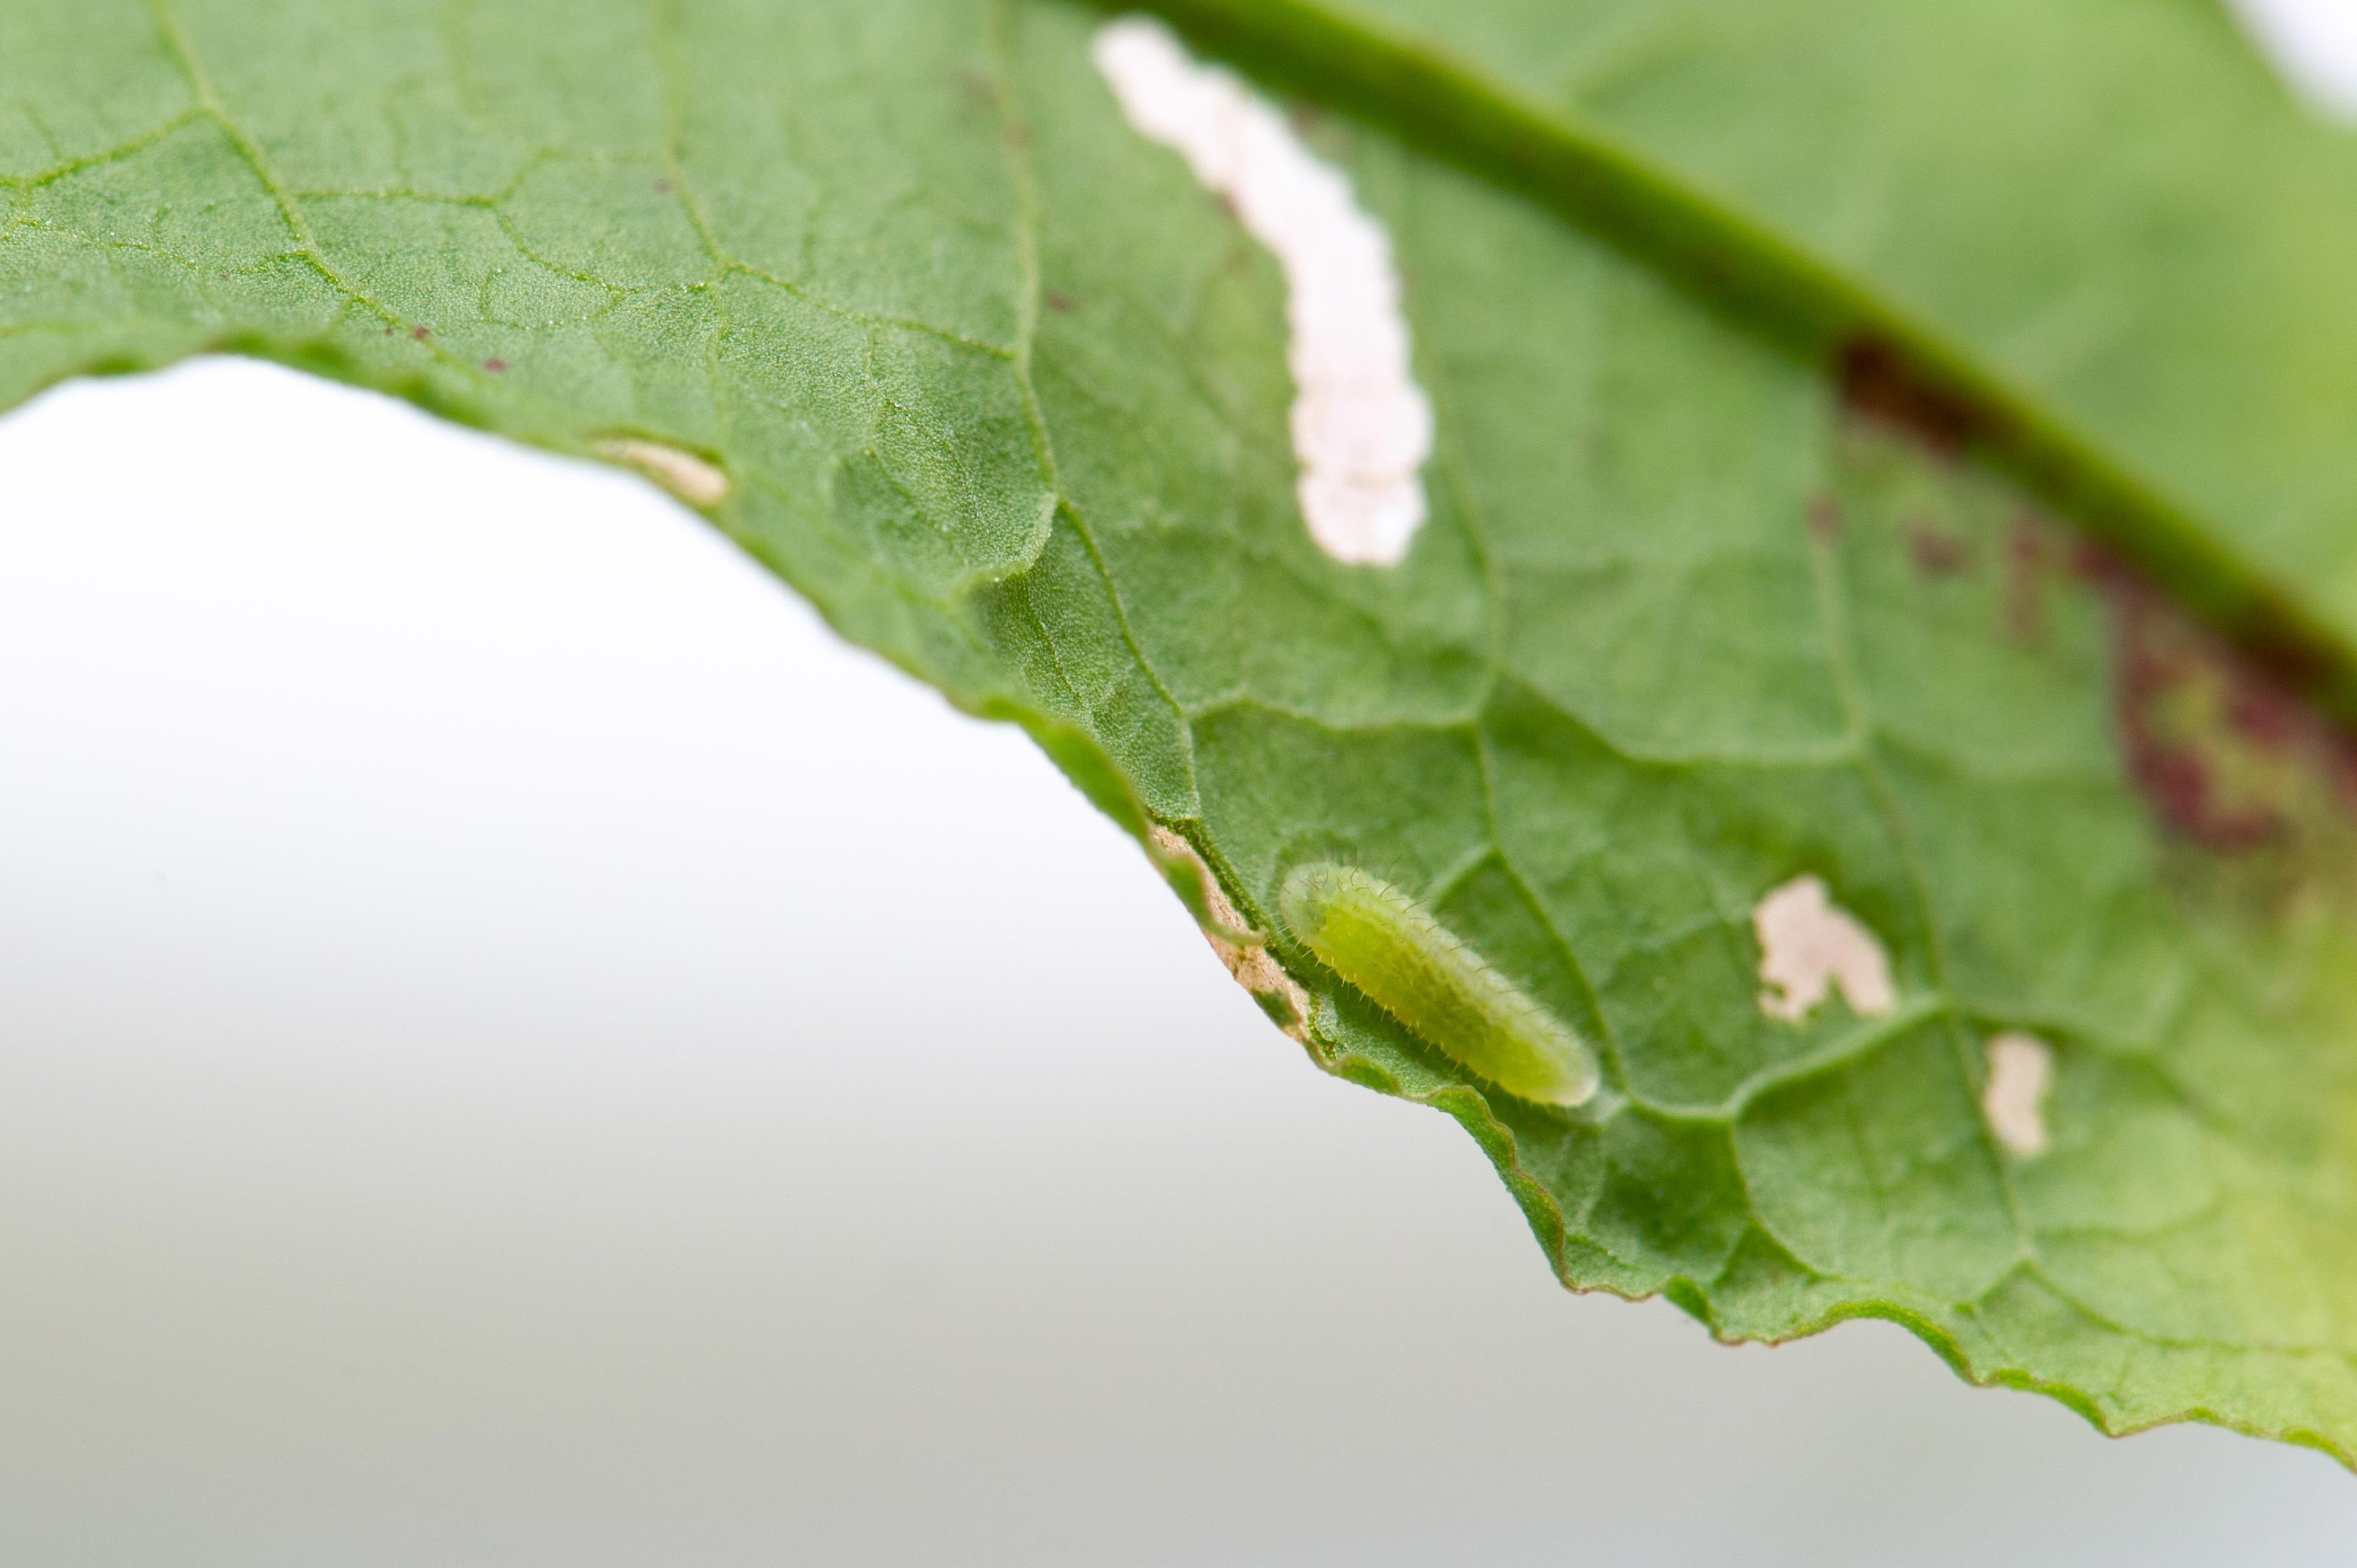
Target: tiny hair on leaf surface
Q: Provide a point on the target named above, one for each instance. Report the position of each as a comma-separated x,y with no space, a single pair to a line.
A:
1890,458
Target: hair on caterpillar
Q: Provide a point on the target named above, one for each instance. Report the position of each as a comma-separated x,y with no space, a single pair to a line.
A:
1384,942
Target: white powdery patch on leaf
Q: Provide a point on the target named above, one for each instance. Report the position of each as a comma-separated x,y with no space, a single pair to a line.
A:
1361,428
2021,1070
1808,945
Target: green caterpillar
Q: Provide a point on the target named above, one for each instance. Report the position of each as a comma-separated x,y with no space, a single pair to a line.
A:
1382,941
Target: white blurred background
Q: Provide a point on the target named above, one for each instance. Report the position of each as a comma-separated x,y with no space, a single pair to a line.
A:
518,1048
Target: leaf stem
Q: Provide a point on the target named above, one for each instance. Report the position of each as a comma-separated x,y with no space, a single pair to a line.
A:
1885,356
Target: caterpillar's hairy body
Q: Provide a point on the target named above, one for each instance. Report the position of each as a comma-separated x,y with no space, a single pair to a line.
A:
1416,969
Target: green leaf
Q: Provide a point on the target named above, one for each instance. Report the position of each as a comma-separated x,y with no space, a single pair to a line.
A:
1777,419
2118,210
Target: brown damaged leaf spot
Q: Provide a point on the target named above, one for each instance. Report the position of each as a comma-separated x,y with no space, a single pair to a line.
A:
982,90
2215,739
1936,552
2031,556
1824,519
1877,384
2269,654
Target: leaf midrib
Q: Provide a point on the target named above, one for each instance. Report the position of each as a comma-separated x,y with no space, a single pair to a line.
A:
1751,272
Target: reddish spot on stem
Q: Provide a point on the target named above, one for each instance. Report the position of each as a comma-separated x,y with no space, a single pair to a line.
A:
497,367
1876,383
2293,663
2091,562
421,333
